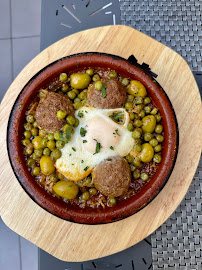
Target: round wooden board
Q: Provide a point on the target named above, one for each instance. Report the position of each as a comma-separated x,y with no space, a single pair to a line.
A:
76,242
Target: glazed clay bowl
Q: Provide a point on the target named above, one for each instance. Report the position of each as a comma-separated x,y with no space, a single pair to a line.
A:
127,68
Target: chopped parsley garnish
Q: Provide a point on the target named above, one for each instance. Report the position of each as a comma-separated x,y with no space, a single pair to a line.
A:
98,147
103,89
86,168
19,106
111,147
116,116
82,132
117,132
136,93
78,64
70,155
84,141
68,134
154,81
82,161
80,114
73,149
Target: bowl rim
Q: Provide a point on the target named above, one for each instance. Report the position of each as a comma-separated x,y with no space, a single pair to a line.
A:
42,203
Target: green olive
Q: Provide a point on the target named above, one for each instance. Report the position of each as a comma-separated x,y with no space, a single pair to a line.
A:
148,136
96,78
93,191
51,144
60,144
136,134
70,120
79,80
125,82
75,91
77,105
138,100
64,88
130,158
136,174
34,131
144,176
50,136
112,200
157,158
128,105
63,77
66,189
76,122
30,118
37,142
159,129
147,152
148,123
147,100
30,162
90,71
132,116
42,133
138,123
154,111
57,135
158,117
98,85
61,114
157,148
85,195
153,142
27,134
53,178
28,126
47,165
56,154
137,89
130,127
160,138
130,98
113,74
83,95
66,127
38,152
71,94
147,109
36,171
46,151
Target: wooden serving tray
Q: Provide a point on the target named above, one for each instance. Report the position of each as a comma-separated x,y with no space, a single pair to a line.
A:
77,242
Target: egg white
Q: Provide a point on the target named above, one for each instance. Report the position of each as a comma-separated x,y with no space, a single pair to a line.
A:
79,155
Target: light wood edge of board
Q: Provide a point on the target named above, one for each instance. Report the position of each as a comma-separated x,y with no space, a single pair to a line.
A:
77,242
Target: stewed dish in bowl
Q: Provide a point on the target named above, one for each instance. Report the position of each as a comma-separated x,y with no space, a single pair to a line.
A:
92,138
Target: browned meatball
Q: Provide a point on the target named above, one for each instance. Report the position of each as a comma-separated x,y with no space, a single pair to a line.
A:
115,95
46,111
112,177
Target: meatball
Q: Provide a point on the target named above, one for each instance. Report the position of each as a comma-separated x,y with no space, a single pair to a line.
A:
115,95
112,177
46,111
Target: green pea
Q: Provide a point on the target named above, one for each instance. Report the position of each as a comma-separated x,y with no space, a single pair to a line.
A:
64,135
137,163
138,147
29,150
34,156
57,135
159,129
30,118
25,142
38,152
88,182
76,122
41,94
56,154
96,78
77,105
98,85
138,123
132,116
125,82
158,117
139,107
83,102
157,158
70,120
77,100
42,133
130,127
50,137
136,174
60,144
61,114
136,134
148,136
35,124
34,131
63,77
128,105
85,195
83,95
130,158
46,151
27,134
142,114
130,98
51,144
93,191
153,142
36,171
53,178
64,88
154,111
30,162
160,138
144,176
44,142
147,109
71,95
28,126
138,100
113,74
132,167
66,127
76,91
157,148
112,200
147,100
90,71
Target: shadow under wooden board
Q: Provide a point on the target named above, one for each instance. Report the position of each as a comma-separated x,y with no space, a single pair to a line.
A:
77,242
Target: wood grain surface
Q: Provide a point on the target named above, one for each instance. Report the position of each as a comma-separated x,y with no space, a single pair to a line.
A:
76,242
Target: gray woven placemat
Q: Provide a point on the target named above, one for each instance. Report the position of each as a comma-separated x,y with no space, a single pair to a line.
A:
177,24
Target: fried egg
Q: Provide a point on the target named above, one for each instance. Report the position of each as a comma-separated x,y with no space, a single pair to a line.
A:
97,137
